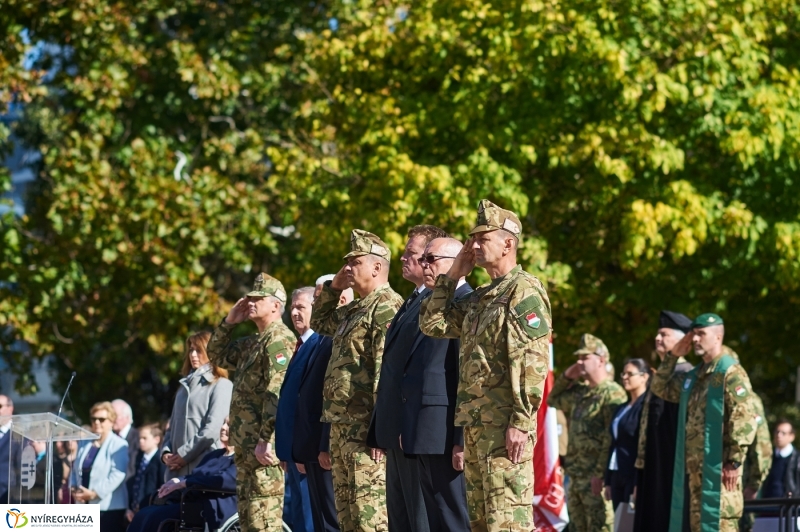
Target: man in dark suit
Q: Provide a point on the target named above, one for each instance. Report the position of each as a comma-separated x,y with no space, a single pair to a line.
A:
405,503
298,515
6,409
429,388
123,427
310,450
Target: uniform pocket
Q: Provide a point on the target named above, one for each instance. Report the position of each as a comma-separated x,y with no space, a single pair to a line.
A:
731,502
510,485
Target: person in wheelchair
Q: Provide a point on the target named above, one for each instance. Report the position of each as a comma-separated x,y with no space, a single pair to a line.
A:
184,499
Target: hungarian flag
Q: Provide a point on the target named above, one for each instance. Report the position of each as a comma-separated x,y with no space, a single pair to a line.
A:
549,508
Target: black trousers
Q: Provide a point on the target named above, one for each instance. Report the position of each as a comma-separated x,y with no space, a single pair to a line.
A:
445,493
405,503
112,521
320,491
621,488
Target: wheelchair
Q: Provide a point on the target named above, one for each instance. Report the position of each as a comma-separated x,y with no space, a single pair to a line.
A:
192,521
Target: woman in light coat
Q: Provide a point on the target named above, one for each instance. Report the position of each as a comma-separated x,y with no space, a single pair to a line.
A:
201,406
100,468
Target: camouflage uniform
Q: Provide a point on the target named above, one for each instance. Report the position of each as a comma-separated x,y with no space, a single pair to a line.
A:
590,411
504,329
351,382
759,454
739,429
259,362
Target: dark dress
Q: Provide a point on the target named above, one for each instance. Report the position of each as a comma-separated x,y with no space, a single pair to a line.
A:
215,471
626,444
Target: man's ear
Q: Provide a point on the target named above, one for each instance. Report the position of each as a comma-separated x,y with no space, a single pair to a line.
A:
377,266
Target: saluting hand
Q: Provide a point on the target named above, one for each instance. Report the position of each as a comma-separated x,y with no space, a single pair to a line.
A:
340,281
683,347
574,371
238,313
464,262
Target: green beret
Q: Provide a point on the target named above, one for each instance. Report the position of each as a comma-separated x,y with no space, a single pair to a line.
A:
708,319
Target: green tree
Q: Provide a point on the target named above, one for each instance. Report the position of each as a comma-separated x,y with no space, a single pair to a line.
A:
650,148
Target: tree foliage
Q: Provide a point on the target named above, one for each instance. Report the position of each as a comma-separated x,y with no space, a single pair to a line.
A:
649,147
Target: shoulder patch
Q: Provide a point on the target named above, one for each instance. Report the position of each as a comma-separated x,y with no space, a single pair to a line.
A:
531,317
384,313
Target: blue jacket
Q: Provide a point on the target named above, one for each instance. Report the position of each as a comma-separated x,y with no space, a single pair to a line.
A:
287,402
215,471
107,477
310,434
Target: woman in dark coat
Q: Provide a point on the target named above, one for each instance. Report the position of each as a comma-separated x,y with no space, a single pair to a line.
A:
620,478
216,471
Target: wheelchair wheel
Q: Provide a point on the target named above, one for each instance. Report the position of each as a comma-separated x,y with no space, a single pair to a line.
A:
231,525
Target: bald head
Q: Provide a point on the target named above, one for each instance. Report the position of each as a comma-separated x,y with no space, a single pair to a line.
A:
442,252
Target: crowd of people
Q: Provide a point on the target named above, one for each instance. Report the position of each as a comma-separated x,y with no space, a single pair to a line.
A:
419,413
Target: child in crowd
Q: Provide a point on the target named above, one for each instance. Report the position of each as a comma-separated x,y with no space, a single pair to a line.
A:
149,470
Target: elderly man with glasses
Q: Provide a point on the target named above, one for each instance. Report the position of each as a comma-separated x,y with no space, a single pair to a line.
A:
587,394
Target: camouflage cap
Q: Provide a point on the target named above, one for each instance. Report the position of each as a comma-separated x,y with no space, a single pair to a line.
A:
591,345
267,285
366,243
491,218
706,320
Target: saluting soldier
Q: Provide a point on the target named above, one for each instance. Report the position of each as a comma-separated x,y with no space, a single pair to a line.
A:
589,397
504,327
260,362
351,381
716,426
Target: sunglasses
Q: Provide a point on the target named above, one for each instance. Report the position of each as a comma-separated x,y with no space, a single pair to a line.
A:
98,419
430,259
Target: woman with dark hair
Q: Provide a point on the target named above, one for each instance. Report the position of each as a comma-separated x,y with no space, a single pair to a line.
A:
201,405
620,476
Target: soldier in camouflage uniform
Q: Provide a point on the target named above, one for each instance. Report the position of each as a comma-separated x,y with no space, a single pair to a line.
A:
759,454
589,397
351,381
504,328
259,362
739,424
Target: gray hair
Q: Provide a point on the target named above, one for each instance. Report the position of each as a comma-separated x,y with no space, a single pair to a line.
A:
328,277
127,411
281,303
304,291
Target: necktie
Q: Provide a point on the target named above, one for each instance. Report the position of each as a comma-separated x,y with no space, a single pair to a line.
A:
297,345
137,480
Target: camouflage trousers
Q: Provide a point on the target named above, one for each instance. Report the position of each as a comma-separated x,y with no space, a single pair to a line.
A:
587,512
499,492
359,484
731,502
259,490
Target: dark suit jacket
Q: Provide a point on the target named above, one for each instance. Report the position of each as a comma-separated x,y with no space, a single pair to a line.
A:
429,386
401,339
310,434
287,403
152,479
627,441
5,446
133,449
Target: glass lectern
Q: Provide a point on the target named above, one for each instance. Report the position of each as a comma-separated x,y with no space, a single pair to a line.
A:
30,457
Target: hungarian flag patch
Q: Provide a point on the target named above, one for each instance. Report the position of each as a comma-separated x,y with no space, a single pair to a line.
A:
533,320
280,358
740,391
529,313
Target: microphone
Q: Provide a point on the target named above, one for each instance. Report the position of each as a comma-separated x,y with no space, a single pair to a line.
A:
65,394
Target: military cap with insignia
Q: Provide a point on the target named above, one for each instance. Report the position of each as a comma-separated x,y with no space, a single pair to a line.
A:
267,285
709,319
491,218
591,345
366,243
674,320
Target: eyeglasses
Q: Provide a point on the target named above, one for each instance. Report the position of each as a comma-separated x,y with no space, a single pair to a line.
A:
98,419
629,374
430,259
